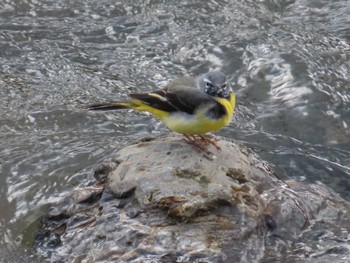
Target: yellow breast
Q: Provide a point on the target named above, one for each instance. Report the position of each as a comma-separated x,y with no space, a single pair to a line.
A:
199,122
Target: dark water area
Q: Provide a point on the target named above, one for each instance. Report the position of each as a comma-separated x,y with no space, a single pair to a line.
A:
288,62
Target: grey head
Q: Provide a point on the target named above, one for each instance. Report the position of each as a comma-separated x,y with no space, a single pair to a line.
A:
214,83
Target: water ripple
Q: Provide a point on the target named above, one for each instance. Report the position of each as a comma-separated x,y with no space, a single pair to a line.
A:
288,62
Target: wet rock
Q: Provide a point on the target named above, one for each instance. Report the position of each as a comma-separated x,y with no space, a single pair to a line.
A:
164,201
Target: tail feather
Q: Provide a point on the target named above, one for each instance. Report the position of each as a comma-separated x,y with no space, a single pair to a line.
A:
109,106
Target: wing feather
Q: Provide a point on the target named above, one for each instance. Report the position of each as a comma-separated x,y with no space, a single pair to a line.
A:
154,100
188,99
181,96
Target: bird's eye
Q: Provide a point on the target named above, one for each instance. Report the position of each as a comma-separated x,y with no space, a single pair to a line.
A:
224,86
207,84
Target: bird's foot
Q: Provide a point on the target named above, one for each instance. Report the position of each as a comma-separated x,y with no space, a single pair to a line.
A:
201,143
192,140
210,141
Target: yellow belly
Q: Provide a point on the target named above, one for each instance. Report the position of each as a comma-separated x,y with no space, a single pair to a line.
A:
199,123
191,124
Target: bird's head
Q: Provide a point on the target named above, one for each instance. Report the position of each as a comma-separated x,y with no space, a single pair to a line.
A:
214,83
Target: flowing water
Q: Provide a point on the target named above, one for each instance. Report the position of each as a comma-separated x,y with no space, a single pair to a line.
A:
288,62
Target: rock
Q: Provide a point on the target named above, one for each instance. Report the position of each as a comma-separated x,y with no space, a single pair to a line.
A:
171,175
163,200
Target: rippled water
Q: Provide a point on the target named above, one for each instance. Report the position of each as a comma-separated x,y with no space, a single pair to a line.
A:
287,60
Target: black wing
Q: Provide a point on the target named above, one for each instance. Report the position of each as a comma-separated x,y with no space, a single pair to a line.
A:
188,99
155,99
178,98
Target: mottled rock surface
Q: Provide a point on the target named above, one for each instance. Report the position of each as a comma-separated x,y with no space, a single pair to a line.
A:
162,200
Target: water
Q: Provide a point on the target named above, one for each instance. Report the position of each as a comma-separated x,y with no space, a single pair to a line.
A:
287,60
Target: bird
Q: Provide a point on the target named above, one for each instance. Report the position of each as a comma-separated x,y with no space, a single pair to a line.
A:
192,106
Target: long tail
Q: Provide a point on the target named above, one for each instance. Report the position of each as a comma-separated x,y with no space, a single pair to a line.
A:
131,104
110,106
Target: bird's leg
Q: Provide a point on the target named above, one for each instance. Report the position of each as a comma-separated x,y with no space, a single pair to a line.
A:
209,141
191,139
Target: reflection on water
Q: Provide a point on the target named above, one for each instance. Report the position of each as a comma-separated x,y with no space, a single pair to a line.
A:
288,61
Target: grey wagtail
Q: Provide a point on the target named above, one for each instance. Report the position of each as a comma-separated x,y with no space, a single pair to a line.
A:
191,106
